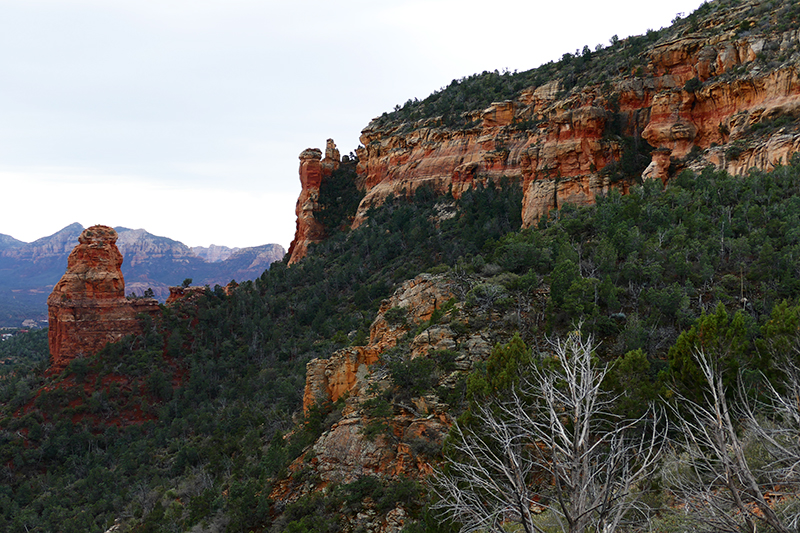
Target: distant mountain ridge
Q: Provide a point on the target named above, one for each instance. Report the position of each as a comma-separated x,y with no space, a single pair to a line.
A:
214,253
6,242
28,271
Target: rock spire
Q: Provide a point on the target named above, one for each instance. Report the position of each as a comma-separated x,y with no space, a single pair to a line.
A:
87,308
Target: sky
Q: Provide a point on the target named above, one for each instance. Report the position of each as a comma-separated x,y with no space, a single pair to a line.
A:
186,117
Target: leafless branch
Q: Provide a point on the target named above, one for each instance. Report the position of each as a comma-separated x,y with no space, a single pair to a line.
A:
555,444
712,474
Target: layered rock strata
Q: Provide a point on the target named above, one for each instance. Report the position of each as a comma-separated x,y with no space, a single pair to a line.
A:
707,95
557,161
562,158
87,308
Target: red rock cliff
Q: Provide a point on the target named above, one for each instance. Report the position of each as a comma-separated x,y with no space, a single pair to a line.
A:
88,308
562,159
557,161
703,93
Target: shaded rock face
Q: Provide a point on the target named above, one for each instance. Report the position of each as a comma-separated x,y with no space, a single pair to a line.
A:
87,308
313,169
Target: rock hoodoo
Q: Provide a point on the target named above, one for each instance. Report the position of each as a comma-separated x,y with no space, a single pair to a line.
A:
313,169
88,308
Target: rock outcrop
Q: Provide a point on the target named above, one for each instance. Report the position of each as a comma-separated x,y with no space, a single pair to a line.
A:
88,308
557,161
702,93
328,380
353,375
313,169
356,376
184,294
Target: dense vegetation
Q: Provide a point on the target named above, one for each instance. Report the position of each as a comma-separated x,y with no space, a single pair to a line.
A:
24,350
709,263
189,426
183,425
170,429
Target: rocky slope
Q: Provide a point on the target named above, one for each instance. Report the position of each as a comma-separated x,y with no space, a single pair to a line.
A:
720,87
411,434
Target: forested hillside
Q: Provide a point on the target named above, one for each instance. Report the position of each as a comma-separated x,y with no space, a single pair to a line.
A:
181,427
439,363
192,405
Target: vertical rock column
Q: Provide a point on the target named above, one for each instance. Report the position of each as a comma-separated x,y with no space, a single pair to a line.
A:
87,308
313,169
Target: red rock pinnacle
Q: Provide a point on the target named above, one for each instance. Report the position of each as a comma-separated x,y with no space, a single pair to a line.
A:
88,308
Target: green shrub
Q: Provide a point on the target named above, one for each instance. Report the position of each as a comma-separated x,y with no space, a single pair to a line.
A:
396,316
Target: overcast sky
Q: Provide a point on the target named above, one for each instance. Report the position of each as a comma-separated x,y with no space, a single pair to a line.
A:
186,117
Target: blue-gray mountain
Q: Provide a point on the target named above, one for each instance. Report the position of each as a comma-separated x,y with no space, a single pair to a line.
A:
28,271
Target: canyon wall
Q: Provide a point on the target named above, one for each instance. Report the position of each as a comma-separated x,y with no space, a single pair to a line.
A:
87,308
704,98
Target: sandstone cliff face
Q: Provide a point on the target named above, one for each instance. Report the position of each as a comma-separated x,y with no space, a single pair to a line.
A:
555,162
703,93
562,159
723,112
88,308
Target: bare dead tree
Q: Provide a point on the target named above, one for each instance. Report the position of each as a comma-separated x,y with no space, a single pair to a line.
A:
711,473
776,422
555,445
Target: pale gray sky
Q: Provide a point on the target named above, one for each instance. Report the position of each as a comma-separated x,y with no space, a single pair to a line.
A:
186,117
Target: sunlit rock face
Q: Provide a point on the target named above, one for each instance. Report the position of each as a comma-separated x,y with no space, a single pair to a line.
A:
558,160
87,308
